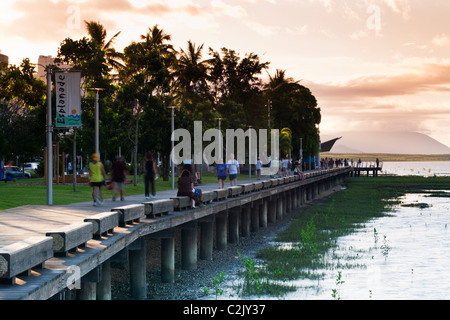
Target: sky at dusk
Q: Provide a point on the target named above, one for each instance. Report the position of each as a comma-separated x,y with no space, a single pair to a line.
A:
371,64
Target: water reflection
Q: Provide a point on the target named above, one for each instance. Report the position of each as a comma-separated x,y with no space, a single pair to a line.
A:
417,168
403,256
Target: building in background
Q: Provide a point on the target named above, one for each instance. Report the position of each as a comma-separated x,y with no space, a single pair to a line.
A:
43,62
3,58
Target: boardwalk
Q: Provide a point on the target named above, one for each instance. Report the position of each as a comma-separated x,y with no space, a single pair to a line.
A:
35,220
24,233
367,167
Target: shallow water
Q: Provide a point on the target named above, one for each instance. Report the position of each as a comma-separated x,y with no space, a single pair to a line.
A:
407,257
403,256
417,168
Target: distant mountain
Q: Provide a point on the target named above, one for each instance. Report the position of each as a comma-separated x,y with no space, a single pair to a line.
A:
386,142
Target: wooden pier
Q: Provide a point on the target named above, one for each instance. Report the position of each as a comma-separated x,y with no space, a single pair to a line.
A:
52,252
369,167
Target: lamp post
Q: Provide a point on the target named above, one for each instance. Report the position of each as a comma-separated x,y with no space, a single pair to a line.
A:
97,148
171,153
49,138
220,141
301,152
249,152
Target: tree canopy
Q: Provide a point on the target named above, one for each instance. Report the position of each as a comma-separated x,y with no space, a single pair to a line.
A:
141,84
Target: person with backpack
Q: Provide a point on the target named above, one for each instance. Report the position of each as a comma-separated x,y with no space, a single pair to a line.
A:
221,173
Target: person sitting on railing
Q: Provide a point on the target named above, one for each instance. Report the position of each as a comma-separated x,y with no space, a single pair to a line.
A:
186,188
298,169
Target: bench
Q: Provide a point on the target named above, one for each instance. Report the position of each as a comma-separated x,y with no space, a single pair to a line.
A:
220,194
70,237
130,213
208,196
234,191
258,185
274,182
103,223
181,203
22,256
158,208
247,188
267,184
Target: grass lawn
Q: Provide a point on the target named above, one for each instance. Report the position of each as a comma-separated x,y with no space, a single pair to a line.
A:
34,192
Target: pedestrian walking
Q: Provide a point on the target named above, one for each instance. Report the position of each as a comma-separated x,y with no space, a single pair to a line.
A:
118,177
233,170
97,176
221,173
258,168
149,178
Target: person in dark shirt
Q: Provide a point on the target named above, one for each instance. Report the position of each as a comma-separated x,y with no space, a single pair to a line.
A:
118,176
186,188
149,178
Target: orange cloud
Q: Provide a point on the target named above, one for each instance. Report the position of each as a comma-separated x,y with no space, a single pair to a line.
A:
432,78
46,20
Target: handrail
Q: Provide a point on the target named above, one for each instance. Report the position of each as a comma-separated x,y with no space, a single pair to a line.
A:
368,164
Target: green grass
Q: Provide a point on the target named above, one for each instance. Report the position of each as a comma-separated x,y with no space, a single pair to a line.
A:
34,191
302,248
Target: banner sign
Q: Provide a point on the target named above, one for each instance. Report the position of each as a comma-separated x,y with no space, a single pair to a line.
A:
68,99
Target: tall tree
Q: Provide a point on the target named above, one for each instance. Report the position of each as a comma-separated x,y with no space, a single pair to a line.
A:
190,73
237,80
98,34
294,107
22,111
146,76
95,57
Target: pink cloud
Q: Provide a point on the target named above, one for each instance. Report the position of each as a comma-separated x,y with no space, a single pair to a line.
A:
48,21
432,78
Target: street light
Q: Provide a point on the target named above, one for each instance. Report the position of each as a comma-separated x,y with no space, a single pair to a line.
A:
97,148
49,138
171,153
220,151
249,152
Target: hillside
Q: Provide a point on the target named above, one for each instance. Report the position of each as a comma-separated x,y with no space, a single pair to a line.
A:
386,142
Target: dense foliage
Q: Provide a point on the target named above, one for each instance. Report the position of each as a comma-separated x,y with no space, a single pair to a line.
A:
140,84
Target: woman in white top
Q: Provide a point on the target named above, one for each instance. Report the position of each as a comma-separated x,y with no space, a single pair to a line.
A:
233,170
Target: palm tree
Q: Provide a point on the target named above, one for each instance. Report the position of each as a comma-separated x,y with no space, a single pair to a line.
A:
144,78
279,90
152,57
98,34
190,74
279,80
156,38
286,141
